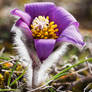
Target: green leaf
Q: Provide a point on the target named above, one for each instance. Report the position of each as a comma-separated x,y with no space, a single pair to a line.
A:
18,78
14,67
7,90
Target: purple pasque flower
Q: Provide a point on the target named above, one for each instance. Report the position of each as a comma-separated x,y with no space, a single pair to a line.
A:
35,20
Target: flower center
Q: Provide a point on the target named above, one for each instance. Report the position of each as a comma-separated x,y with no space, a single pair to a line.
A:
43,29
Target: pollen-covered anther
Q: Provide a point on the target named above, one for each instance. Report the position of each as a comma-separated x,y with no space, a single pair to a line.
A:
43,29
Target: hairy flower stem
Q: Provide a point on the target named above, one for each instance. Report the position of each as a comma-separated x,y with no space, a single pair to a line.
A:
36,67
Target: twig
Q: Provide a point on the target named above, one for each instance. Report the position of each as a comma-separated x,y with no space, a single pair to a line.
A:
89,67
82,70
5,61
1,51
82,81
11,71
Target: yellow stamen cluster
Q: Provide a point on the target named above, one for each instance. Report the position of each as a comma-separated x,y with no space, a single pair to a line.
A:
42,29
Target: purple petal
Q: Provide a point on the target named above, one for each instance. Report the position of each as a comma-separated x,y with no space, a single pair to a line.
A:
41,8
25,16
44,47
63,18
71,35
21,24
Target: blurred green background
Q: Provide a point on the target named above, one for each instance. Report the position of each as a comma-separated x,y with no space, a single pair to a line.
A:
81,10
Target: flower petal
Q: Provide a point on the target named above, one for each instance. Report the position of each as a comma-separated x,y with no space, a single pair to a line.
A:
21,24
44,47
25,16
41,8
71,35
63,18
